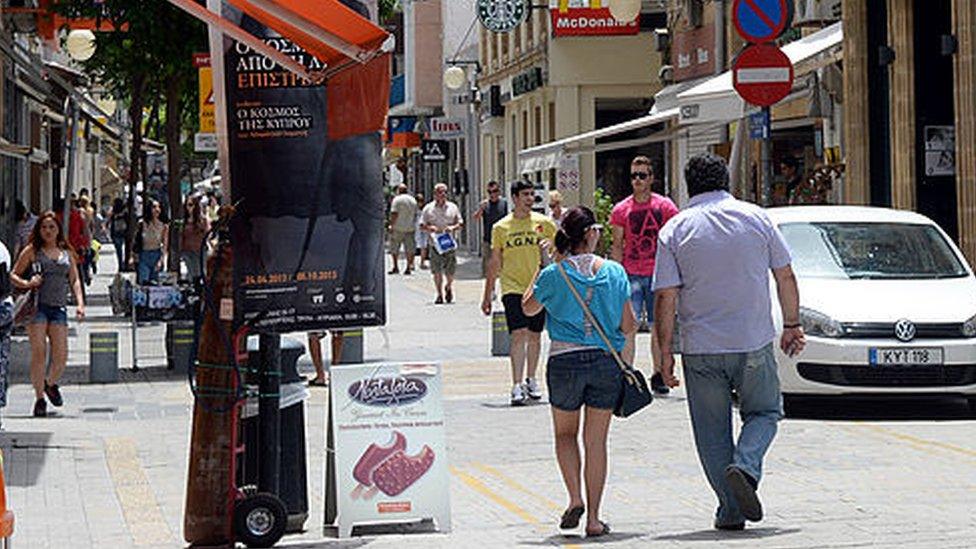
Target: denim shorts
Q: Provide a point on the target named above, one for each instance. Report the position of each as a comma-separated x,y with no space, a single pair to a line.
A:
47,314
642,296
587,376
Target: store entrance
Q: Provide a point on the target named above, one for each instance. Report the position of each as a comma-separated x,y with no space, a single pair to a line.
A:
935,141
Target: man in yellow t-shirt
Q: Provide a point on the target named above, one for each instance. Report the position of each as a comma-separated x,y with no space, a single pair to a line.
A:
515,257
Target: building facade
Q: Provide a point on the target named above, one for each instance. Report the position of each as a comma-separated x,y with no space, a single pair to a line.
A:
910,76
568,69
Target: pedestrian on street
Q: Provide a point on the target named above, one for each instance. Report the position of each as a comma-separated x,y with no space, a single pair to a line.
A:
25,224
88,254
489,212
515,258
78,236
441,220
403,213
713,264
48,267
556,211
6,321
581,370
321,378
119,229
636,222
152,241
193,236
420,236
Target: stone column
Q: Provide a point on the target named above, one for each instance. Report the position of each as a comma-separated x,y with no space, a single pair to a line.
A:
964,25
902,97
856,120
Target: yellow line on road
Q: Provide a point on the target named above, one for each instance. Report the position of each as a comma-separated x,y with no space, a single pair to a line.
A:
513,484
920,443
475,484
143,517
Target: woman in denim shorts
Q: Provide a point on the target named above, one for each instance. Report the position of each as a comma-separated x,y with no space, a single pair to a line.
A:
48,266
581,371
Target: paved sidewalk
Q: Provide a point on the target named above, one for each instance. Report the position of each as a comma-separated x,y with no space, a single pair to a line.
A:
110,469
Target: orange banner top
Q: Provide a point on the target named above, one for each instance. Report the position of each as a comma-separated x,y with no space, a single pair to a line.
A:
327,29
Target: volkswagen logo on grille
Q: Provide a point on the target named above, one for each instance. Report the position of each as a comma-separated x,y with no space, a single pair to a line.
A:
905,330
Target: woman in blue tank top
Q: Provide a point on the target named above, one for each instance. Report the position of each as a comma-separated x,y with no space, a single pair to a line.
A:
48,267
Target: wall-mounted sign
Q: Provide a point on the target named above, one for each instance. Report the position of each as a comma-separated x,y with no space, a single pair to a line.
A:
205,142
502,15
205,99
587,18
527,81
692,53
434,150
568,173
446,127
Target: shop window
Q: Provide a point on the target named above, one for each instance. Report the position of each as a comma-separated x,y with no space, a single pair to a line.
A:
537,140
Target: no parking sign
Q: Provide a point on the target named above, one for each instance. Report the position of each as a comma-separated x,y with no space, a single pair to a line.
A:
760,21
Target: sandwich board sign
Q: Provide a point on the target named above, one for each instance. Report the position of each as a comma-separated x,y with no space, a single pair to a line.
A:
390,461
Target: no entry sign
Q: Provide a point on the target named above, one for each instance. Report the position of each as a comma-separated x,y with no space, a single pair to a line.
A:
760,21
762,74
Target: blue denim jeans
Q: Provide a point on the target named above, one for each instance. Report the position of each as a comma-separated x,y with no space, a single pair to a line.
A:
642,296
148,263
710,380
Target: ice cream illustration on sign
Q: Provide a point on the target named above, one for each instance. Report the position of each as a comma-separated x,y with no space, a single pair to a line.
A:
389,469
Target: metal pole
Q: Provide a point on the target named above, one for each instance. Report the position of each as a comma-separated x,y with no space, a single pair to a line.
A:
135,326
767,164
69,179
269,436
474,156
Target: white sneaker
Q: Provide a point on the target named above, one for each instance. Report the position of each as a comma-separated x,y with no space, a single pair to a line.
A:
532,387
518,395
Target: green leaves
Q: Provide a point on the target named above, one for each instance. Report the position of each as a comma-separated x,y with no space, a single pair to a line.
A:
602,208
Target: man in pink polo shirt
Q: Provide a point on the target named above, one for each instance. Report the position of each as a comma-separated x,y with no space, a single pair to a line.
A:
636,221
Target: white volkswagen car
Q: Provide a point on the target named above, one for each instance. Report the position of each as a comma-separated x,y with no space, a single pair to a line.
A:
887,301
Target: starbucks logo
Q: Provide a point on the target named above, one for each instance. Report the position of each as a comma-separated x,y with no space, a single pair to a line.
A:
502,15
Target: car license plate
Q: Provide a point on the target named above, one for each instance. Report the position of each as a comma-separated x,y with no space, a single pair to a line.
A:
905,356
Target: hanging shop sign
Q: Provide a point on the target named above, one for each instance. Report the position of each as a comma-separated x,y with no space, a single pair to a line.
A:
760,21
692,53
762,74
587,18
434,150
502,15
390,465
445,127
308,183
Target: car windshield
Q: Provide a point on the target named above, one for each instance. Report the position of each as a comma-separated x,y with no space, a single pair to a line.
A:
870,251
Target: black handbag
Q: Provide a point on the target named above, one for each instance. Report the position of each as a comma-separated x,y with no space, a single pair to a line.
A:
634,393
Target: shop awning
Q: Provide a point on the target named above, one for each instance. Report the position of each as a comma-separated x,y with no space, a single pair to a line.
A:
715,100
544,157
335,34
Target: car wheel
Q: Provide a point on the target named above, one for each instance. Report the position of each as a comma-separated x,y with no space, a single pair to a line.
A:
260,520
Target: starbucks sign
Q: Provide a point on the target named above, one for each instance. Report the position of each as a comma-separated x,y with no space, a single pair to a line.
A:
502,15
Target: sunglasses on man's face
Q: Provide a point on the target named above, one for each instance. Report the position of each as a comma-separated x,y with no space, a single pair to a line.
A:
493,191
639,175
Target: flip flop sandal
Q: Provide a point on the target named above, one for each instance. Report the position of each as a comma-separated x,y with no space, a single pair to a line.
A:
604,530
318,383
571,518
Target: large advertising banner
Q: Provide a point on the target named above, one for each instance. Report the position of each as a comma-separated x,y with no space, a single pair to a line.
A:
306,175
390,452
587,18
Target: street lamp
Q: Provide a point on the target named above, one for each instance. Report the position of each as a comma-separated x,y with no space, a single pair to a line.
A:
80,44
454,77
625,10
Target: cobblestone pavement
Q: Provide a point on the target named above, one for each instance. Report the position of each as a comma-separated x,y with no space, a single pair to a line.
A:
109,470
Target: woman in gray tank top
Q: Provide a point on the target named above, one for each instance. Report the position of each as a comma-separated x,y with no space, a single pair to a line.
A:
47,267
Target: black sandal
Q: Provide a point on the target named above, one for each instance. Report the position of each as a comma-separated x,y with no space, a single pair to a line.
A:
604,530
571,518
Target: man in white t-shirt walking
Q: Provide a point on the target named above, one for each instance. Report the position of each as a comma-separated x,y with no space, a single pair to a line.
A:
442,219
403,211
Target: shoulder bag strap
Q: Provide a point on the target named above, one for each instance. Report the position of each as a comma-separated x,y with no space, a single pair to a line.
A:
592,319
